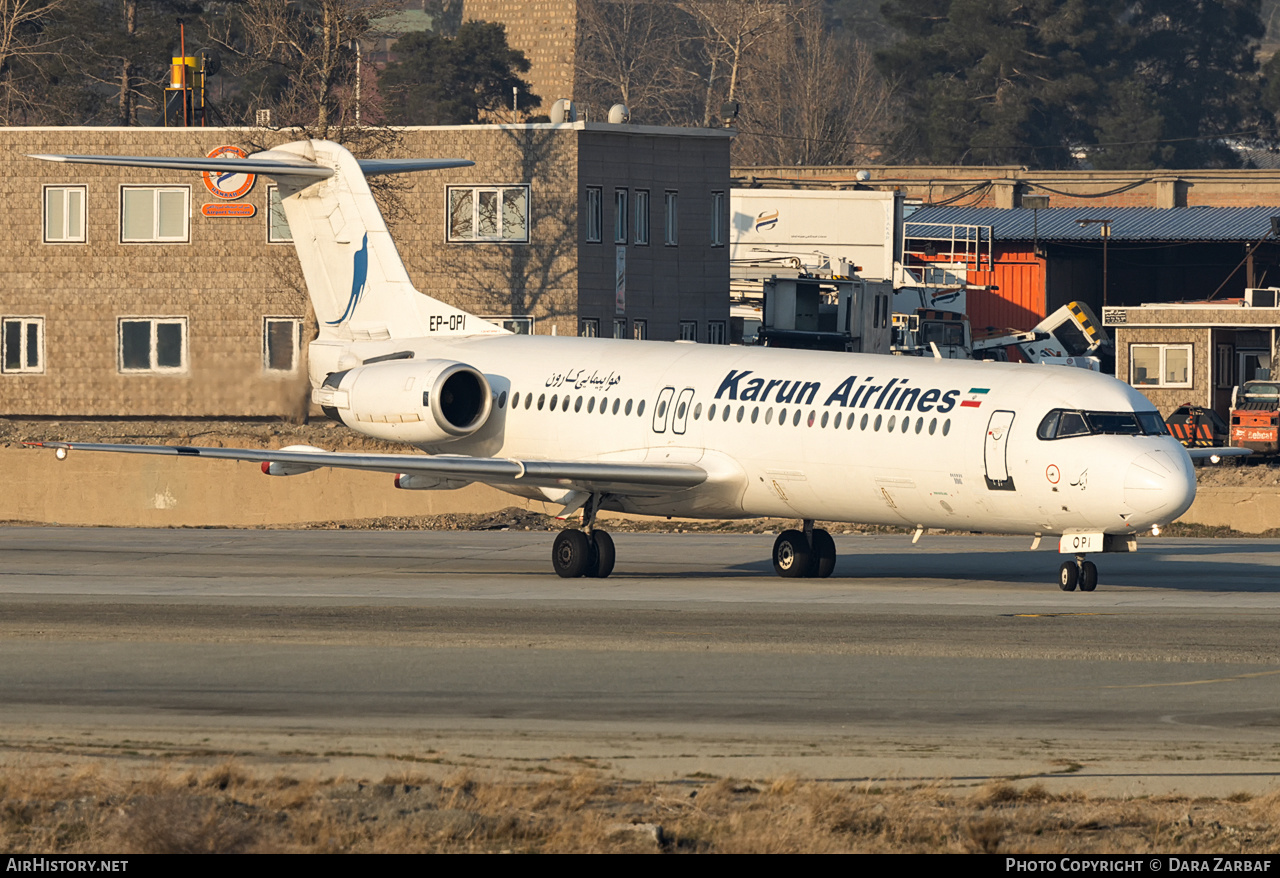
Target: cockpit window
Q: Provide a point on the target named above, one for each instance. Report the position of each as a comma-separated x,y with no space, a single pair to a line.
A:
1061,423
1118,423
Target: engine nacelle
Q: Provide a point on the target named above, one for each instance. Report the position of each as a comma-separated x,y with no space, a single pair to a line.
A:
421,401
280,468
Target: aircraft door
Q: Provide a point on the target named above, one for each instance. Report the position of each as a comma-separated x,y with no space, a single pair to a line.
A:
681,414
996,452
662,410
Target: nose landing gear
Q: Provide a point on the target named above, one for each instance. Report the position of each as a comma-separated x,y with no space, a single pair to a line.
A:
1080,573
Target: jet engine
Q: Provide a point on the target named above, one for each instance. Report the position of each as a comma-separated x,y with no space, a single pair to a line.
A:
426,402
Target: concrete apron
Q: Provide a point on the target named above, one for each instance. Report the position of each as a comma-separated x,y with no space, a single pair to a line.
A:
136,491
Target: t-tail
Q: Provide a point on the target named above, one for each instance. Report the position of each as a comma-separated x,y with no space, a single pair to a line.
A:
358,284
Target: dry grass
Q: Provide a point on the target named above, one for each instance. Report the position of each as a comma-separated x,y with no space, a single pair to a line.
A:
227,809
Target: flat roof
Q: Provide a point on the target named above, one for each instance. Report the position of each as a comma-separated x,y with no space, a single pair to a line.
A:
1127,223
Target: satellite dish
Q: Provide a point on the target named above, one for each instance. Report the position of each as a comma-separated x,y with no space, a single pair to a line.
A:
563,111
619,114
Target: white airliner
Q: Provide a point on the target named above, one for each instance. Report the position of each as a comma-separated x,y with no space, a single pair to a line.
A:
699,431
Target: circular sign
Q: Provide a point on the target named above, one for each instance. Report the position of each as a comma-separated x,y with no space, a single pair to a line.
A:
228,184
1052,474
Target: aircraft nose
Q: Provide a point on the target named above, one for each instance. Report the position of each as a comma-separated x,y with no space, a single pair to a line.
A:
1160,484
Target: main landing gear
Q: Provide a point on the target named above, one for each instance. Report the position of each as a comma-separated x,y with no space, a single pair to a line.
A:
1080,573
588,552
808,553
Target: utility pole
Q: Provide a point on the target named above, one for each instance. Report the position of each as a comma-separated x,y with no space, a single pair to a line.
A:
1104,228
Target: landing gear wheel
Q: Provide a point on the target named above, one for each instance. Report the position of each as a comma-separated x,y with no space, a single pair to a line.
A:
824,555
603,555
1088,576
791,555
1068,573
571,554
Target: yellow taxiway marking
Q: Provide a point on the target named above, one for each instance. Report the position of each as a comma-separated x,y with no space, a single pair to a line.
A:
1055,615
1234,679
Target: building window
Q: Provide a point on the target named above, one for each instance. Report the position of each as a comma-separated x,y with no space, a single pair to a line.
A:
688,330
642,217
23,344
1223,367
1160,365
671,221
716,332
717,219
153,344
64,214
516,325
280,343
619,216
489,213
620,327
595,215
277,226
155,214
640,329
589,327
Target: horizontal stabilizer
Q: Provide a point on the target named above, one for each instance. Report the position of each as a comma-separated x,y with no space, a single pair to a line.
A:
404,166
285,165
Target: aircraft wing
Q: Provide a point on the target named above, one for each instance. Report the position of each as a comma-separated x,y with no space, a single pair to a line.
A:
634,479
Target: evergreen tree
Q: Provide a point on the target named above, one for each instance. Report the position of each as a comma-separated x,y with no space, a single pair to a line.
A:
439,80
993,81
1188,78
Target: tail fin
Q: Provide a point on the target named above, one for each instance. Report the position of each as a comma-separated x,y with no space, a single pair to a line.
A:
358,285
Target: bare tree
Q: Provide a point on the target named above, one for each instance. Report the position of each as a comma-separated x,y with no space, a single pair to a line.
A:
633,51
299,56
811,98
26,43
729,31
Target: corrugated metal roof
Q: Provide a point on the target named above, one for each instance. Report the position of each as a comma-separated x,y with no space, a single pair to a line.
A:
1127,223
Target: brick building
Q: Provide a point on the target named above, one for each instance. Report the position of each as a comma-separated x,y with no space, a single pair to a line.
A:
1196,352
120,296
546,31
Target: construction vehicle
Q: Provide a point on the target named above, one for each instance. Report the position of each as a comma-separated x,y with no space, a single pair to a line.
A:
1070,336
1255,416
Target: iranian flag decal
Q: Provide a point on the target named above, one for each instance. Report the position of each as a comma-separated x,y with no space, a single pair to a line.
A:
975,397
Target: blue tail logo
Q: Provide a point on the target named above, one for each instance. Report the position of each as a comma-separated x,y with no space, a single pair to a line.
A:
359,279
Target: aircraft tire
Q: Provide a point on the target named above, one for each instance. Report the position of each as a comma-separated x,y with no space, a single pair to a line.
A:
604,555
1088,576
791,555
571,554
1068,574
824,554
